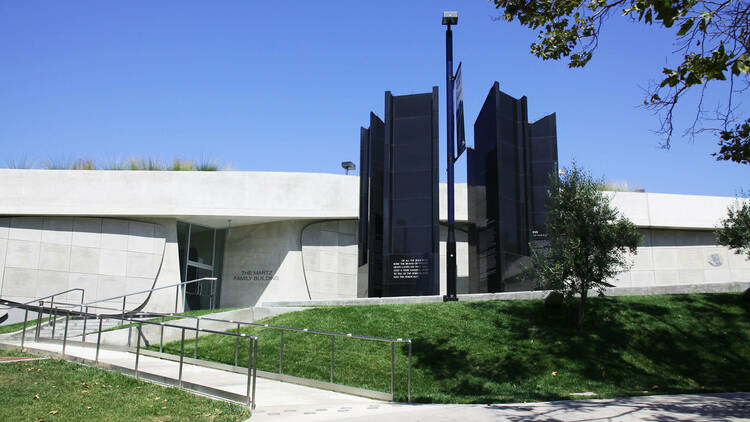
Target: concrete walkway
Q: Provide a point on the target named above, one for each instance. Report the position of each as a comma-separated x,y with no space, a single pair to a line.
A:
698,407
270,394
279,401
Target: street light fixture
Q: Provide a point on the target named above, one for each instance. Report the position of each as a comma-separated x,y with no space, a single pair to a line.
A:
348,165
450,18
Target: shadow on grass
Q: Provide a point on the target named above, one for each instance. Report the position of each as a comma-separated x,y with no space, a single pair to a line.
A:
670,345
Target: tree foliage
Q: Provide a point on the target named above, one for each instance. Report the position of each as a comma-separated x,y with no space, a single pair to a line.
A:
735,229
587,238
712,38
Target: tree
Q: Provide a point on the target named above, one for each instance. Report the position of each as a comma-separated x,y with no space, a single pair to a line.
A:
735,229
713,38
587,238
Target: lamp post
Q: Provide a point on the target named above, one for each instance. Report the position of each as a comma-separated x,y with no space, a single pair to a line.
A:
450,18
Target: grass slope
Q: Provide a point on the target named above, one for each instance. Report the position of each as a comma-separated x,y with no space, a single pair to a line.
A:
512,351
56,390
18,326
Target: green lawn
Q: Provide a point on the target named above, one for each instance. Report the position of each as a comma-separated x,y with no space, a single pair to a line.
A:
512,351
18,326
56,390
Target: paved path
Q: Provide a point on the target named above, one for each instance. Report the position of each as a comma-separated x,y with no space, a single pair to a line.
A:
284,402
703,407
270,393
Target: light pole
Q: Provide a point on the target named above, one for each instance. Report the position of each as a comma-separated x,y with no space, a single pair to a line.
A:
450,18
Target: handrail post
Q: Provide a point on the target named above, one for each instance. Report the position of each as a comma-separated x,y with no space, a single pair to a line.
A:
249,369
237,347
137,351
98,339
161,335
213,294
255,367
393,371
39,320
333,339
281,353
182,355
122,321
130,332
85,319
176,297
23,334
65,333
54,318
408,393
197,329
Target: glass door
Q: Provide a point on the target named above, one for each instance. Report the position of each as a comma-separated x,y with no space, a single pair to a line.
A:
199,247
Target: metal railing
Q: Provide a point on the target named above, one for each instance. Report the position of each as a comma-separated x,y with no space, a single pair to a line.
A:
177,286
134,317
282,329
252,345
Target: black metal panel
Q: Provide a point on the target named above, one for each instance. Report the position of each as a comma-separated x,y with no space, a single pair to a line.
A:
376,203
504,188
364,193
410,218
543,165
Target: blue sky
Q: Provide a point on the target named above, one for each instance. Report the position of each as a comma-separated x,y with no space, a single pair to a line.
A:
285,86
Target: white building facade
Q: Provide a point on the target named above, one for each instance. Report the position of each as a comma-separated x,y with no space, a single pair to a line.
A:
268,237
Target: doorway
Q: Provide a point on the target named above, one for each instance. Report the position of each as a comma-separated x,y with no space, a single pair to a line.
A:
201,252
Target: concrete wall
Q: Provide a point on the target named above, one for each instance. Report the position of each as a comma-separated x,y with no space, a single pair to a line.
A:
670,257
104,256
263,262
329,250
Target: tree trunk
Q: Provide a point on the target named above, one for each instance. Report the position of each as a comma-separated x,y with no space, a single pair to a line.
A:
582,308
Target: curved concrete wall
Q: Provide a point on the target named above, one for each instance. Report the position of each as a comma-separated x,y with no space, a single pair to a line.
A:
104,256
329,251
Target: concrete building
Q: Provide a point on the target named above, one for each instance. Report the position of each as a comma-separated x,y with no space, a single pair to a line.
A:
268,236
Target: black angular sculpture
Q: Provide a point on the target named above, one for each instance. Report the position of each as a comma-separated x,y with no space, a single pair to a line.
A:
508,176
399,198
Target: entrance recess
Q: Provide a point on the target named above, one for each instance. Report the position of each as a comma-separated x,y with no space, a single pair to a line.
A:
201,255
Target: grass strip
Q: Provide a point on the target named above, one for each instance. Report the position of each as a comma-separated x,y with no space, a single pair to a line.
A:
18,326
56,390
514,351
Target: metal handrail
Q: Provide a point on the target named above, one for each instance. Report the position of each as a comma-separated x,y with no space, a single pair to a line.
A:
333,334
57,294
252,348
152,290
